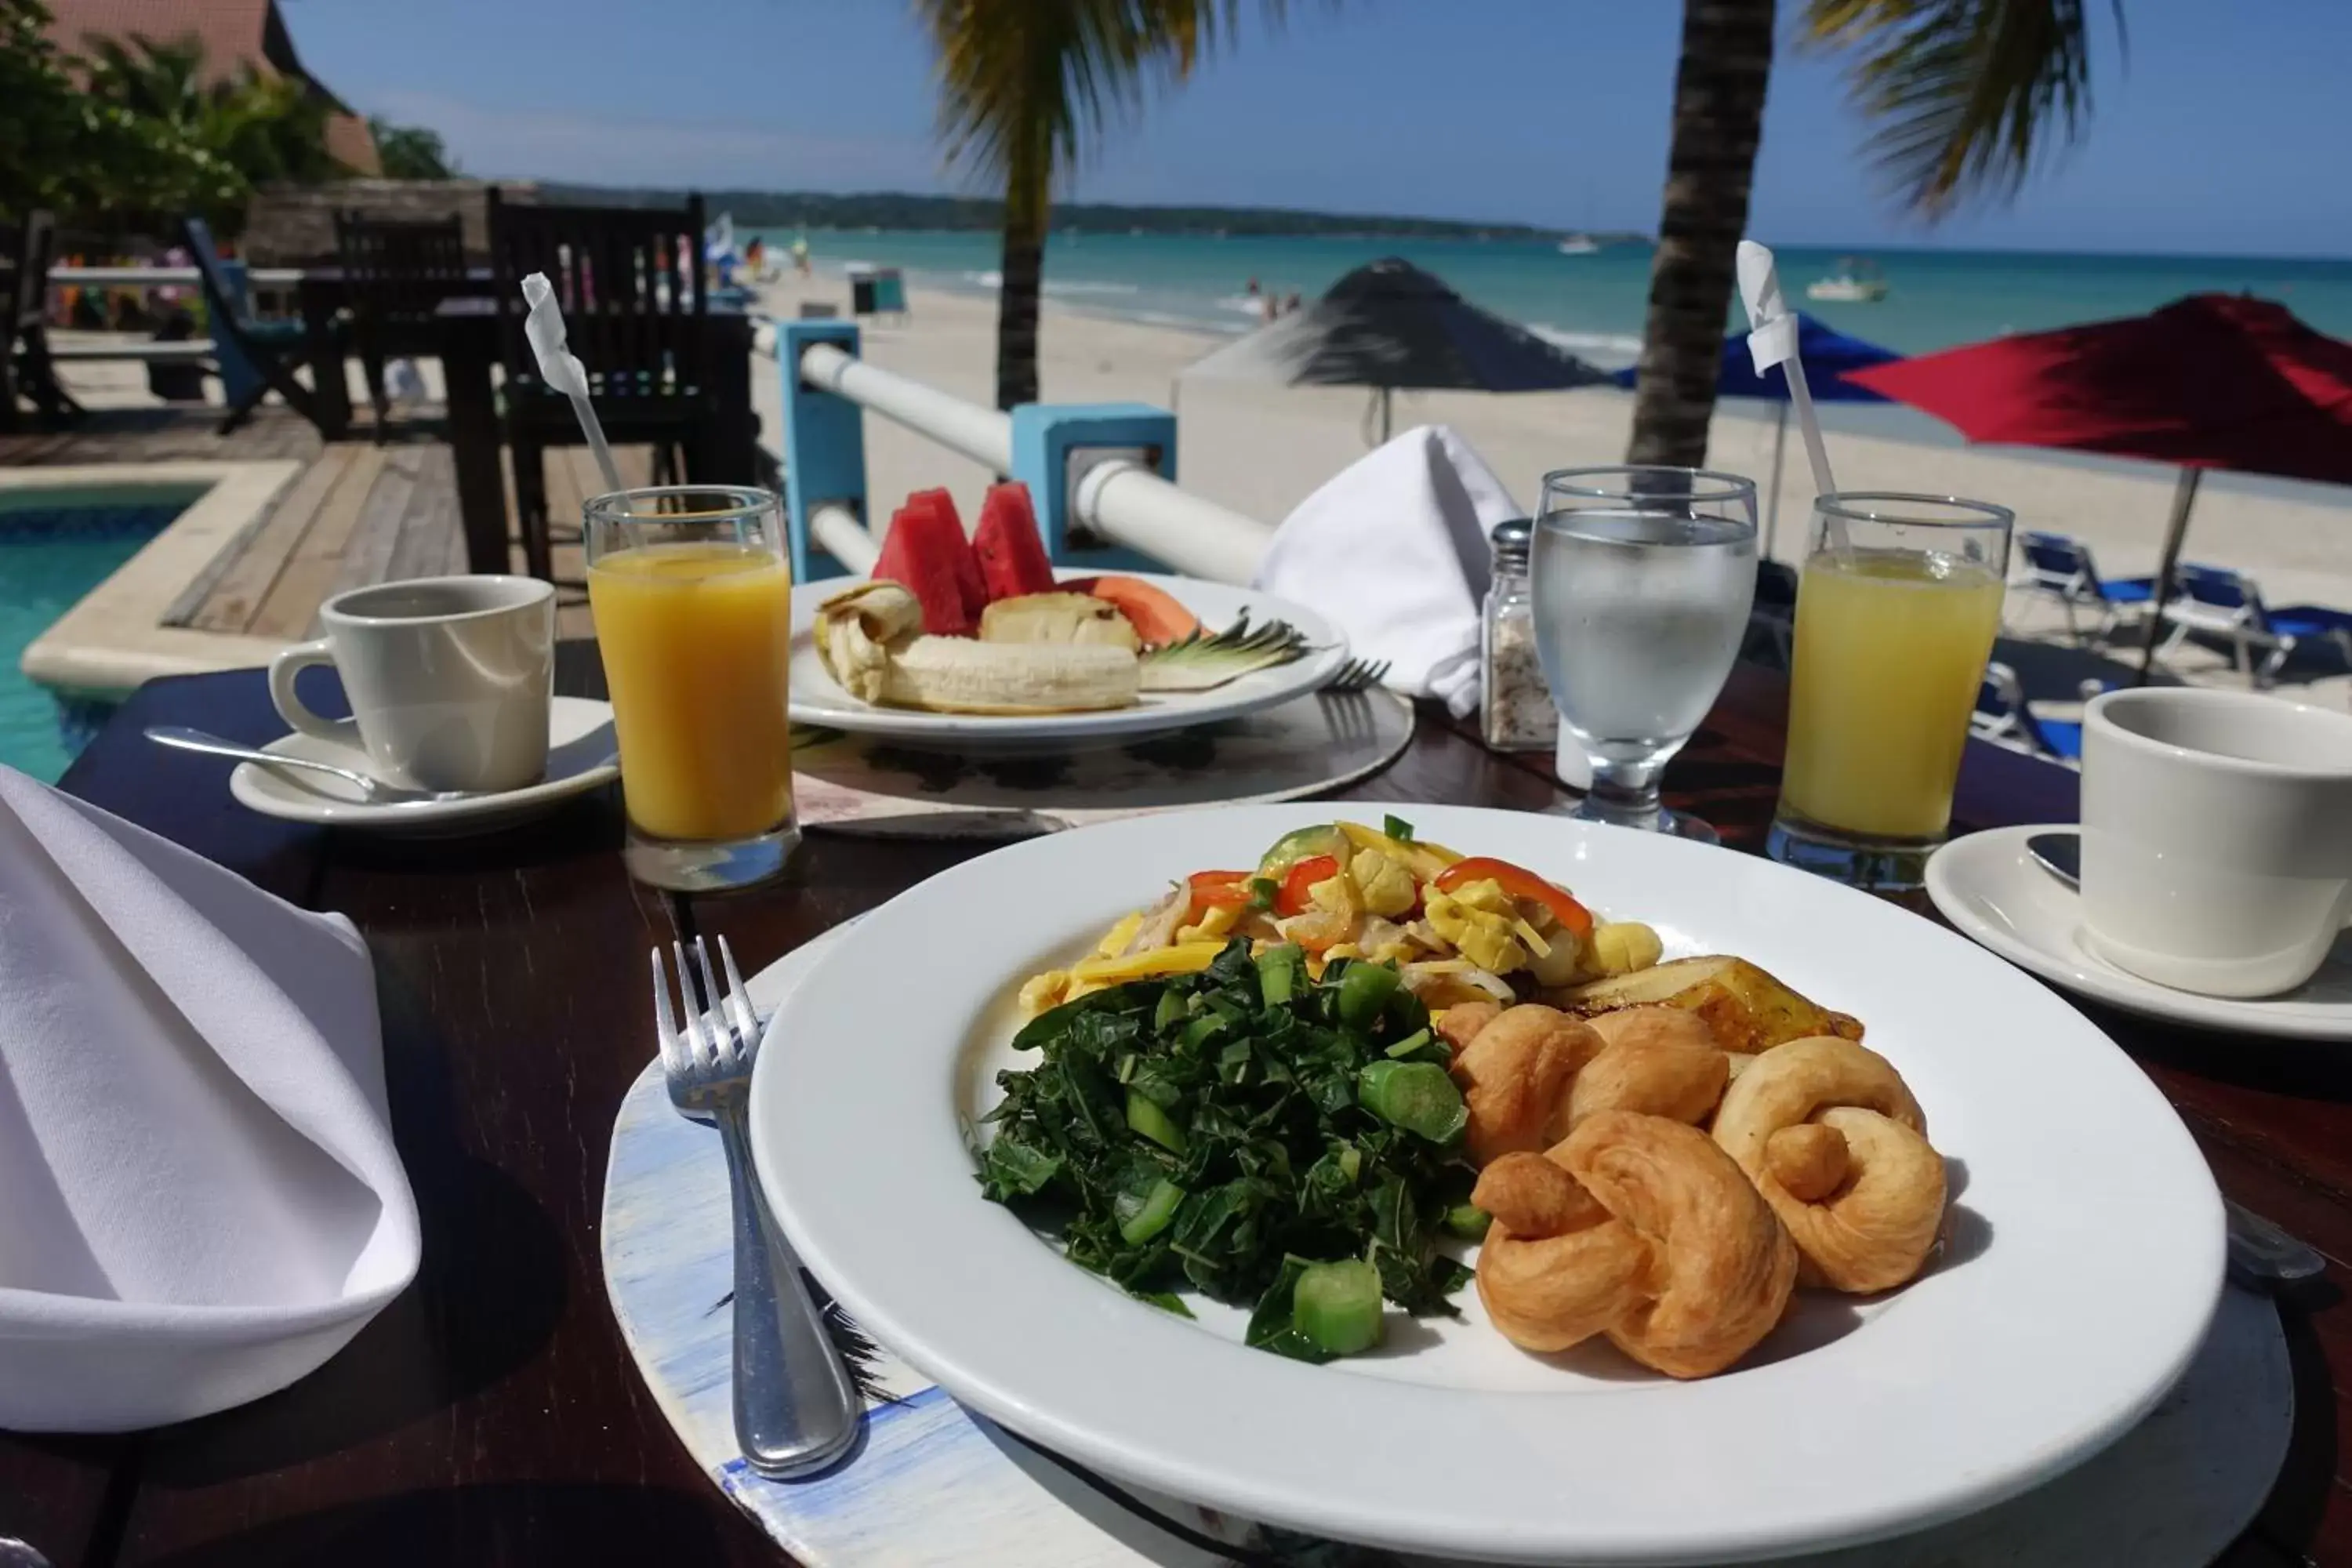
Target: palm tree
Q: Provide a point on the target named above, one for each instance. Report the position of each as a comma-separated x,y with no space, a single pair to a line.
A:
1026,86
1963,94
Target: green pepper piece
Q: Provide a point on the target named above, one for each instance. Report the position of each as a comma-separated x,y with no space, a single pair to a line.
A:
1467,1221
1303,844
1364,990
1338,1306
1416,1095
1279,970
1141,1218
1154,1124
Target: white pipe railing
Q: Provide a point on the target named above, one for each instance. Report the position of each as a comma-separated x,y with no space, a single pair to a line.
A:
980,434
1130,505
1118,498
160,276
845,539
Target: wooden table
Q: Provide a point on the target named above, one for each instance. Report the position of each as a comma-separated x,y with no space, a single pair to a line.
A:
726,453
492,1416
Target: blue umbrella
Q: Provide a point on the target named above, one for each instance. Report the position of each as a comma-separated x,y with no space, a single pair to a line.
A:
1827,354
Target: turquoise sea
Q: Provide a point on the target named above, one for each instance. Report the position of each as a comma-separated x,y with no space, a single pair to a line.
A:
1594,303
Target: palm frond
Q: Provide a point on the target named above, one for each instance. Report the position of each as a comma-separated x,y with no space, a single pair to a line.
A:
1964,94
1027,86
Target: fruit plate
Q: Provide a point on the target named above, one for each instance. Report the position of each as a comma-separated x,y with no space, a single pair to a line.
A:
818,698
2084,1264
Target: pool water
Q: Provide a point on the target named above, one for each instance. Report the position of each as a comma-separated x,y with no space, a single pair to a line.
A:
54,547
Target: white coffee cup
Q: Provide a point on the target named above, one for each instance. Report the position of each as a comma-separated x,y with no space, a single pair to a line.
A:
449,679
2217,837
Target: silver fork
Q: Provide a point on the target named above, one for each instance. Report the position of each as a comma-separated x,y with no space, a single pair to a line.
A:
795,1409
1356,675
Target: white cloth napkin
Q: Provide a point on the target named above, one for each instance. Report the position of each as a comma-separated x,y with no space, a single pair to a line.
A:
1393,548
199,1197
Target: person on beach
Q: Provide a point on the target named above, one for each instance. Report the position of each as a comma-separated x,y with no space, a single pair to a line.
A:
1290,303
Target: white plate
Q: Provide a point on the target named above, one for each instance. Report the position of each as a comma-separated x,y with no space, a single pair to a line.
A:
1988,885
580,757
2086,1264
818,698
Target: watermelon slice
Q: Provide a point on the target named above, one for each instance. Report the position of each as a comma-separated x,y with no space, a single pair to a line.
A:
926,551
1012,561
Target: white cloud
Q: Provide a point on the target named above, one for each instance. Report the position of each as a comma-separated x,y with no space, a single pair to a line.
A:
615,150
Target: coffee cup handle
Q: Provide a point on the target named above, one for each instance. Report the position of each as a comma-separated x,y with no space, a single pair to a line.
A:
289,663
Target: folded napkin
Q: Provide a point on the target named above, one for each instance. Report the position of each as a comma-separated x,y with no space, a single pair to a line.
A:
1393,548
199,1197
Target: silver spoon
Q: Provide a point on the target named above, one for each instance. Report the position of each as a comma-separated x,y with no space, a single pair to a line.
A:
2060,854
2262,1255
373,790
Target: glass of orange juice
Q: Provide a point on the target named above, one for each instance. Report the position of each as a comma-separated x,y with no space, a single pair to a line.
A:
693,599
1897,610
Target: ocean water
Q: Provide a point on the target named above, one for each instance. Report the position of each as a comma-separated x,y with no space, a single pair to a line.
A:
1594,304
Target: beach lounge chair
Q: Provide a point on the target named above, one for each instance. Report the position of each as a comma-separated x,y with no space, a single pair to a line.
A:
2227,604
2005,715
272,349
2060,566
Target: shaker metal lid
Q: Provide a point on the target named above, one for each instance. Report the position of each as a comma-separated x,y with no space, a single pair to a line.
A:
1513,537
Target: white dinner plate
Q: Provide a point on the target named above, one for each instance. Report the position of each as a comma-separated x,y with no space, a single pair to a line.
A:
1988,885
818,698
581,755
2084,1262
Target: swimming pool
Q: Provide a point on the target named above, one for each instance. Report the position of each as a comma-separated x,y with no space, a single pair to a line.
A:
55,545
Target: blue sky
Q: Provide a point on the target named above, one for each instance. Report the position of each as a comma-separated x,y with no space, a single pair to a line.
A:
2223,131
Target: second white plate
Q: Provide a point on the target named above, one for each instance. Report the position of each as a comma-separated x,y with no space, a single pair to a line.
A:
818,698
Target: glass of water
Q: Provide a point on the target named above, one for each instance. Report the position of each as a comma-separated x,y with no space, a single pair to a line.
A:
1643,582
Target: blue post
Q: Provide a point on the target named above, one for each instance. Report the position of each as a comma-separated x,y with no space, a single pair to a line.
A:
1054,444
236,373
824,446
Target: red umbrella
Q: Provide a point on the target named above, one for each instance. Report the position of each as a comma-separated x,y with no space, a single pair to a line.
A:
2212,381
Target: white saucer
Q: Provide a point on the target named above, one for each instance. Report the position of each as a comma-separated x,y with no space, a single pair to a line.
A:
581,756
1987,886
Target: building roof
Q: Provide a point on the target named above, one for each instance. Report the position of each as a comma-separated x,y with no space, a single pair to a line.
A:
235,34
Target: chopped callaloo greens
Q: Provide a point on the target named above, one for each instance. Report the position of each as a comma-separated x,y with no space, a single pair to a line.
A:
1246,1130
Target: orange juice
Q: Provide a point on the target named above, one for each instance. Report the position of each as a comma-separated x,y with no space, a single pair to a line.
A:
694,638
1891,650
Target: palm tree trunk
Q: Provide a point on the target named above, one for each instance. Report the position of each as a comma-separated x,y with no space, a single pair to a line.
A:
1727,60
1020,273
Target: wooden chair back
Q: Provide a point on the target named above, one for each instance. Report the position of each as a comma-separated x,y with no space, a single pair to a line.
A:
398,270
633,287
30,247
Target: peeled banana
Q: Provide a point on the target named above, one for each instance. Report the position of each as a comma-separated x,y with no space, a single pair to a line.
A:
870,638
1057,618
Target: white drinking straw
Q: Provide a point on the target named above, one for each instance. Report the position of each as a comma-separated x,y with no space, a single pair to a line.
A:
563,369
1773,339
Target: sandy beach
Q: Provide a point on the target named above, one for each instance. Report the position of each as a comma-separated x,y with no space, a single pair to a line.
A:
1262,450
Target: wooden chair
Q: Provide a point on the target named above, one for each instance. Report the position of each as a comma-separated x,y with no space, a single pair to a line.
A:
635,309
273,349
396,272
23,320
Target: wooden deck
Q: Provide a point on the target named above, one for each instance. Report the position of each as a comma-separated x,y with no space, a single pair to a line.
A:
358,513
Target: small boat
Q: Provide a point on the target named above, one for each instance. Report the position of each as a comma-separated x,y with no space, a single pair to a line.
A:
1579,245
1857,281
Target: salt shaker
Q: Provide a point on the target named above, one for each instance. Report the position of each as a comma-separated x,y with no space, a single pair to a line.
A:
1516,713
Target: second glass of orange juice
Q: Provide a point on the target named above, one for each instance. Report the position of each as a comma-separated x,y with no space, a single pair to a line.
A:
692,596
1896,612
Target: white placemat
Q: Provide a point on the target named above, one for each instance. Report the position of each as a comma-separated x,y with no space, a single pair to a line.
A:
864,783
931,1483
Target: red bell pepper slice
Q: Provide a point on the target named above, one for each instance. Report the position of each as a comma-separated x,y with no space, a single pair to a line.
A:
1220,891
1519,883
1293,899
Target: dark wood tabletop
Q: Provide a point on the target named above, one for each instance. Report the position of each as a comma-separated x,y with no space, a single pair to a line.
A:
491,1415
